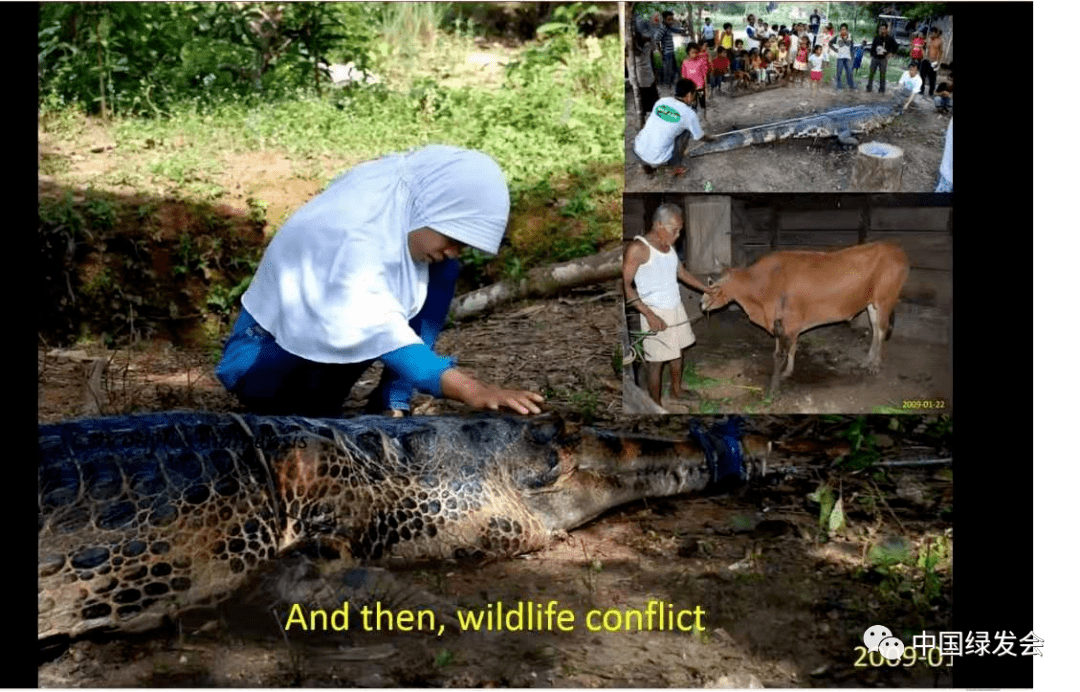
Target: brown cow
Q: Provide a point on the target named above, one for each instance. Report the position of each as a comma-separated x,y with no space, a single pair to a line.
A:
792,291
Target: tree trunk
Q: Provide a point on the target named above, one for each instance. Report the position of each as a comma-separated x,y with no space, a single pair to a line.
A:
315,59
879,167
541,282
946,43
101,69
689,23
626,9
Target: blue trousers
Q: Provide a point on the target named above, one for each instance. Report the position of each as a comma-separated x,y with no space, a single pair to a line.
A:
843,65
271,381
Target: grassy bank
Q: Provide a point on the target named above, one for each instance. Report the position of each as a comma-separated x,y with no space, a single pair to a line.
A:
550,111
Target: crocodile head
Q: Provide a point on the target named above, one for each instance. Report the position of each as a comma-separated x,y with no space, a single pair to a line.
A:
482,486
596,471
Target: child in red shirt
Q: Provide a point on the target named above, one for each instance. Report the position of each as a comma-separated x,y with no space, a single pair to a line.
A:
718,68
917,45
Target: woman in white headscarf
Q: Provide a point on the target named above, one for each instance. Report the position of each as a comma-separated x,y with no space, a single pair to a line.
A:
366,271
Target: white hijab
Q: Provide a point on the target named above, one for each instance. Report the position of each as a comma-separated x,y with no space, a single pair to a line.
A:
337,283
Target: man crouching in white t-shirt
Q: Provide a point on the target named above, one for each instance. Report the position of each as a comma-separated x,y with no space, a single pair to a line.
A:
651,275
667,132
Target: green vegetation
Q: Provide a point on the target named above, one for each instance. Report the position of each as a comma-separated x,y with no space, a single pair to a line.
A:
763,403
184,89
911,573
889,409
864,452
692,379
443,658
113,275
585,401
558,109
831,517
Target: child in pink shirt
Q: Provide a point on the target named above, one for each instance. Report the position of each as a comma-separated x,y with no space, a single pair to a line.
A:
802,58
696,69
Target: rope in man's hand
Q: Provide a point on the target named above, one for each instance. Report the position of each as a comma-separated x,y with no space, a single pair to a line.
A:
637,338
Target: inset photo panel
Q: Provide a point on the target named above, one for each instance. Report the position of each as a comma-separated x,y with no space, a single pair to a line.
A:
787,304
789,97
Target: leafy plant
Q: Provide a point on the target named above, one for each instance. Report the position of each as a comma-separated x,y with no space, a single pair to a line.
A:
831,517
443,658
694,380
100,213
941,427
187,256
709,406
911,573
864,452
140,58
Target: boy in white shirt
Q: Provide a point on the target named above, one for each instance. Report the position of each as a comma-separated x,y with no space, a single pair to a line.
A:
667,132
911,82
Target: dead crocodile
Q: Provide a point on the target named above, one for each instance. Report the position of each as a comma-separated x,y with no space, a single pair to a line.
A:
842,123
141,517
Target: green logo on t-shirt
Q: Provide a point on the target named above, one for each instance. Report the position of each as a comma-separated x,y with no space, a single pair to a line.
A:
668,113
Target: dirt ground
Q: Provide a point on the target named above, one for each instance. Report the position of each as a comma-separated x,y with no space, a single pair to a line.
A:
731,367
795,165
556,347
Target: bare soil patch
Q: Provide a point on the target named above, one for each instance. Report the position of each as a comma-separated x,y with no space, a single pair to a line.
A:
733,363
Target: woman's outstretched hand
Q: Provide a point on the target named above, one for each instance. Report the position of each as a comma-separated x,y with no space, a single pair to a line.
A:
461,387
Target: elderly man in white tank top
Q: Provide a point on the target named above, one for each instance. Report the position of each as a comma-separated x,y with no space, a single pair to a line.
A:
651,272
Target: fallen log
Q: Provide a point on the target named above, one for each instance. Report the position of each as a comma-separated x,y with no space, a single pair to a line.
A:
540,282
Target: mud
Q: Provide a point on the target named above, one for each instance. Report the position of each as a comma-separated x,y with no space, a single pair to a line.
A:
732,362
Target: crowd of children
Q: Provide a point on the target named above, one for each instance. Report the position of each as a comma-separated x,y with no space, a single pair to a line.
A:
799,55
772,54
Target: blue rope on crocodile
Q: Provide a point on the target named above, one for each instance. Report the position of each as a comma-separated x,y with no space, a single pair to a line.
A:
723,449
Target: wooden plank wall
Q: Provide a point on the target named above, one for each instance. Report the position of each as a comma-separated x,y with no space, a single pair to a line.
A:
634,218
708,233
